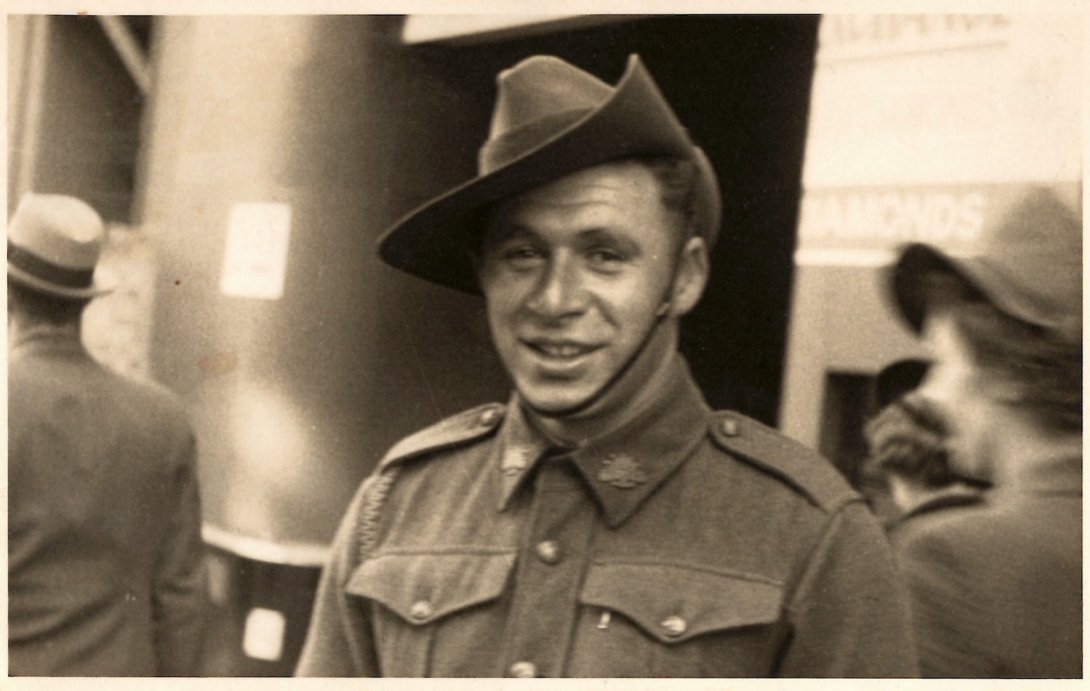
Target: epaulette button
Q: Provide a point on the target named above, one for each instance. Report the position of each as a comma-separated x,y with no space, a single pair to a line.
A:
489,418
729,427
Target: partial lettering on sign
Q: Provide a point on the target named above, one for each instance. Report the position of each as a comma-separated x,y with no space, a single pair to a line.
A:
886,217
855,36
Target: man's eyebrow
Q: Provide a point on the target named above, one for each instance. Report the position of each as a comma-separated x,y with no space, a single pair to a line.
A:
606,234
500,231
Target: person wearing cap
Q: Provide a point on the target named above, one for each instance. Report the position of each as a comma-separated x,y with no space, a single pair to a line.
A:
604,522
906,442
997,588
105,560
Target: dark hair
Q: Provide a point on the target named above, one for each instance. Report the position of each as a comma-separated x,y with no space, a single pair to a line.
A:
1043,367
42,307
908,438
677,178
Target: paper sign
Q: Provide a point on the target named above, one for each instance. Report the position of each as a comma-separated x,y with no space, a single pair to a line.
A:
256,256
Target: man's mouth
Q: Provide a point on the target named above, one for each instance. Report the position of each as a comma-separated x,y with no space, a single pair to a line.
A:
560,350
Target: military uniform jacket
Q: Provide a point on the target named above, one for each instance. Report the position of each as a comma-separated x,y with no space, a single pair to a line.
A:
686,543
105,573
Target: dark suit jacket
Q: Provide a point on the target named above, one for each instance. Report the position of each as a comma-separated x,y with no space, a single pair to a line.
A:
105,561
996,588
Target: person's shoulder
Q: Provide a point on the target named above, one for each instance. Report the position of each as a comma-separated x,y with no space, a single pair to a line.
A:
787,461
956,530
149,396
459,430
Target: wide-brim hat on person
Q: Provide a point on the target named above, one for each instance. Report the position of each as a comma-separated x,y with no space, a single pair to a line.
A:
551,119
54,243
1027,262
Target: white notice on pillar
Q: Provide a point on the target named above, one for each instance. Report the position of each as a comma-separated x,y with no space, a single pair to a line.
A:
256,256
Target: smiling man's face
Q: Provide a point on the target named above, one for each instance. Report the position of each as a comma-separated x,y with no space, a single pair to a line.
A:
574,274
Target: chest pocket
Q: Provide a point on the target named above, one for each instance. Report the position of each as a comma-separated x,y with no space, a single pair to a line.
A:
430,606
676,620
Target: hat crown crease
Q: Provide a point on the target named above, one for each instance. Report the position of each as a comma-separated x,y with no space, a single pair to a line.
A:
540,87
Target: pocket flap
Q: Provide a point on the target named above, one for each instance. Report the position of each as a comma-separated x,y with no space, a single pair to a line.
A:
675,603
421,588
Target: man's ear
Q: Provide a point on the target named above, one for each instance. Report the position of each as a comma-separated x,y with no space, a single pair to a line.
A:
690,277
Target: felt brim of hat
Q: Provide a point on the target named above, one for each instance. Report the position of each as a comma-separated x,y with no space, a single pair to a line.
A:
102,284
433,242
918,260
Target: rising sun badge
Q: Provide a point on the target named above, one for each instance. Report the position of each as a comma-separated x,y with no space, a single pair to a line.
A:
622,471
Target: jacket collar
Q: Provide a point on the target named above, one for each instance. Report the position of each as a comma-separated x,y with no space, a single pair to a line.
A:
44,338
624,466
948,497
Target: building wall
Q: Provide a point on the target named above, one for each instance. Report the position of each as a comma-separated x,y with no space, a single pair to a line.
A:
920,126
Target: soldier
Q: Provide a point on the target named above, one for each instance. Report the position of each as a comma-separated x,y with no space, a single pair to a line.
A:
604,522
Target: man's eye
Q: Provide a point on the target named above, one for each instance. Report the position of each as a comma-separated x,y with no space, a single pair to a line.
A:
521,256
605,257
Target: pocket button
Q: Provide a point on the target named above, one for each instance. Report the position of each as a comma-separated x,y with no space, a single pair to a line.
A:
421,610
674,626
523,670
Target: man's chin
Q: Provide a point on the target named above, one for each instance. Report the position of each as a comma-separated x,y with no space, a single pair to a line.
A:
555,405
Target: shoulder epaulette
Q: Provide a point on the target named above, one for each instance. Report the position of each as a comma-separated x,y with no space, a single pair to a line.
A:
804,469
453,431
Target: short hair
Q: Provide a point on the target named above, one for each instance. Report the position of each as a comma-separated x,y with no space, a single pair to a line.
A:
41,307
677,179
1042,366
908,438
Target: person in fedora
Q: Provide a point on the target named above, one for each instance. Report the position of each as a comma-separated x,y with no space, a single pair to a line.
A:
604,522
105,560
997,588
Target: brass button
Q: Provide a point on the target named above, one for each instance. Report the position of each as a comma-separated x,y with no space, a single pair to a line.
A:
674,626
729,427
421,610
548,551
489,418
523,670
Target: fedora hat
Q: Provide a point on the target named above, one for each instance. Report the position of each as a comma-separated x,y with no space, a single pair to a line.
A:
54,242
1027,264
551,119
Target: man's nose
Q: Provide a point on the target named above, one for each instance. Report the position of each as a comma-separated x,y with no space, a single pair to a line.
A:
559,291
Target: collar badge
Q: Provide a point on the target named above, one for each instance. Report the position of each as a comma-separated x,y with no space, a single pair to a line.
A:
515,460
622,471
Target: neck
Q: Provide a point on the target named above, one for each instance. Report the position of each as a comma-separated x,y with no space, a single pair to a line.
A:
625,398
1022,447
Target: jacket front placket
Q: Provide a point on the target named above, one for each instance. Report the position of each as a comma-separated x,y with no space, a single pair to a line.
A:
552,562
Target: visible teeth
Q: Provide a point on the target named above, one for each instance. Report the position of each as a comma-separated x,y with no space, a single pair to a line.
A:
562,350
